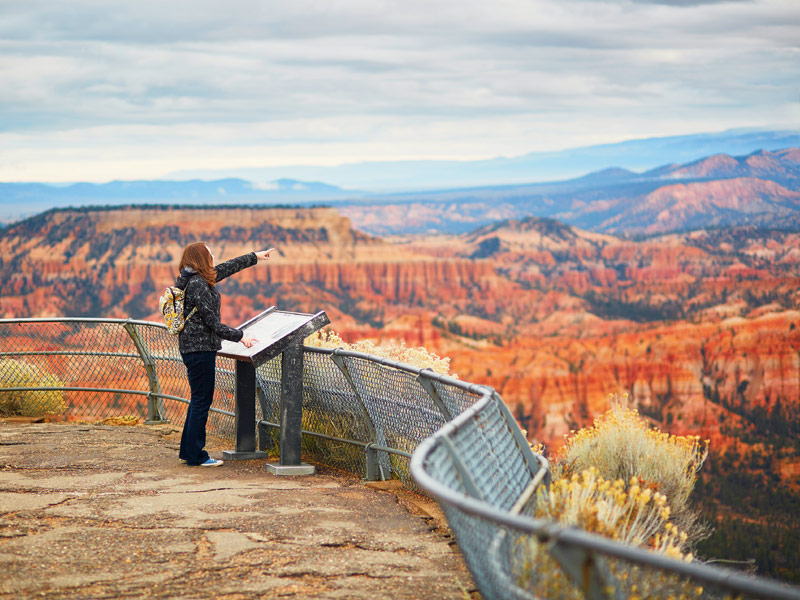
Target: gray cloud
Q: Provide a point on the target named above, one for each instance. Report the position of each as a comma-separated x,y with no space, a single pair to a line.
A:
412,78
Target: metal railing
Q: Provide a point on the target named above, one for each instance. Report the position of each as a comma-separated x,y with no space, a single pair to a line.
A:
378,418
361,413
485,479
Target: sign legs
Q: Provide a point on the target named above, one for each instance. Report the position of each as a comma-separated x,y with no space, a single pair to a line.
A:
245,414
291,414
291,409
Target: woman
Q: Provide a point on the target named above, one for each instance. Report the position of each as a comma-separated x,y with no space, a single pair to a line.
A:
200,338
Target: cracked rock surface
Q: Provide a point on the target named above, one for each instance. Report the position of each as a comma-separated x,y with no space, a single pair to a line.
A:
109,512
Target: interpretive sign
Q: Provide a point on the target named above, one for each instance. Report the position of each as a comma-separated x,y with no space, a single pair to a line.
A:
278,333
275,330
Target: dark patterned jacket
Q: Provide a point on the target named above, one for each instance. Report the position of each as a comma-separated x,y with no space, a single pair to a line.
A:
204,330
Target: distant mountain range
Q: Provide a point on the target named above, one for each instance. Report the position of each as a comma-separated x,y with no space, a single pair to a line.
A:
19,200
637,155
758,186
762,189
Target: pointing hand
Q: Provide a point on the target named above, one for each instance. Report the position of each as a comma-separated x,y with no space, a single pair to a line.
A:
264,254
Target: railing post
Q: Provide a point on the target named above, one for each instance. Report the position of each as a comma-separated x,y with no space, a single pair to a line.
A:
291,406
373,464
584,568
375,470
155,404
245,408
461,469
524,447
427,385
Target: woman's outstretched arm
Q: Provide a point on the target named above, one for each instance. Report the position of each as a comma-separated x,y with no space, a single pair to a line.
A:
234,265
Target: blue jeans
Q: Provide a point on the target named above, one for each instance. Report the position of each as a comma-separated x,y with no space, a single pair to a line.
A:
200,368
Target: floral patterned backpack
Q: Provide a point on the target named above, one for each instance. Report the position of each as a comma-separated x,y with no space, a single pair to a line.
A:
171,306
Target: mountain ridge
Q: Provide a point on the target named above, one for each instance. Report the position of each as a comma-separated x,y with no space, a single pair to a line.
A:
19,200
720,190
603,163
784,164
636,154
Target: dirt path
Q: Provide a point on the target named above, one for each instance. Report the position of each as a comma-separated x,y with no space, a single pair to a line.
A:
95,511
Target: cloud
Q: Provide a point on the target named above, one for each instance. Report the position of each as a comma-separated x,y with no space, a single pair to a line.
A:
248,80
267,186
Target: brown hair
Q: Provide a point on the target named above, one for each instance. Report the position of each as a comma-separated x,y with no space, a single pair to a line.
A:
198,257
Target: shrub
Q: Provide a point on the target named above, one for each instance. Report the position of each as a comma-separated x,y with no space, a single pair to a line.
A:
636,516
393,350
16,373
621,446
622,511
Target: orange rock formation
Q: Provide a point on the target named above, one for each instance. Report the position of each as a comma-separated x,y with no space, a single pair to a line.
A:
699,329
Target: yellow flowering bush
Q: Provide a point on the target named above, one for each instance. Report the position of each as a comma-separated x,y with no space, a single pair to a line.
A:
393,350
629,482
17,373
627,513
621,446
623,511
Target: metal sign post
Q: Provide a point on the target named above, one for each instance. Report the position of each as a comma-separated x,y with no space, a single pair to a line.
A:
291,409
277,332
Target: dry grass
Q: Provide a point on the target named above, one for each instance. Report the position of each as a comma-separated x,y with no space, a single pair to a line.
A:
398,351
636,516
17,373
623,511
621,446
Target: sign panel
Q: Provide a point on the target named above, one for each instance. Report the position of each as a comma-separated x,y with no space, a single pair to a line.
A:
275,330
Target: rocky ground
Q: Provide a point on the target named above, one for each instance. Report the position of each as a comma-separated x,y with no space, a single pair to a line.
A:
99,511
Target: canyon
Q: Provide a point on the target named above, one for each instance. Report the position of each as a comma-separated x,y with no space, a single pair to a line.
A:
697,330
675,291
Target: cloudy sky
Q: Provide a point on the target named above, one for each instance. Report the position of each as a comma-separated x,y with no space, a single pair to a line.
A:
95,90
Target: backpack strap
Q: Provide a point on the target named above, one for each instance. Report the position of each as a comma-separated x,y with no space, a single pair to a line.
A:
189,277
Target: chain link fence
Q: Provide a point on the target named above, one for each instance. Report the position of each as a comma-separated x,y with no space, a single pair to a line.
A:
361,414
485,476
103,368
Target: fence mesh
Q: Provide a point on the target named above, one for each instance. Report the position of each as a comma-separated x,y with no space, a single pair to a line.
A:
75,354
519,564
477,473
527,565
399,409
456,399
331,407
374,404
489,453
